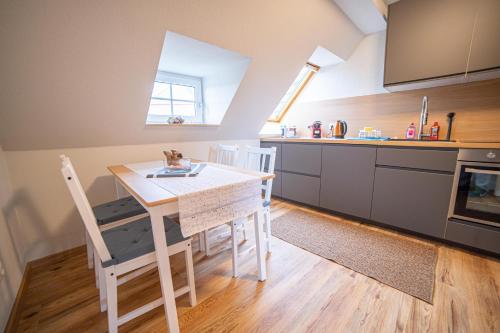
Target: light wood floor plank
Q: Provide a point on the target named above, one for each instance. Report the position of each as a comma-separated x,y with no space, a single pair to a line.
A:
304,293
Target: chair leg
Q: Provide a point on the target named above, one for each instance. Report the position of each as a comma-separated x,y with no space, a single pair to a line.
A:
201,240
234,240
90,251
190,274
267,221
102,288
245,229
97,266
112,299
207,244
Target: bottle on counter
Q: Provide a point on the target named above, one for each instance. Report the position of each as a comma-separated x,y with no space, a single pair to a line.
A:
411,132
435,131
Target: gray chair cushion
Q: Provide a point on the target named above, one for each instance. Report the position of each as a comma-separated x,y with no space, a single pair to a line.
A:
135,239
117,210
266,203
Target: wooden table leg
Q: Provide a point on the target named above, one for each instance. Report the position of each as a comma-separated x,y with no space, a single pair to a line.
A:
163,260
258,218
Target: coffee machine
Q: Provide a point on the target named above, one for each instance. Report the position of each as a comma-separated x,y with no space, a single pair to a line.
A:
315,129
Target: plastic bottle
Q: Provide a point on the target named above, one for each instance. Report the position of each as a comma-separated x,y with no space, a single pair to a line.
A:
435,131
411,132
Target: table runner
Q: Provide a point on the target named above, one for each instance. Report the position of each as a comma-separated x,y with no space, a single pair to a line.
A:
214,197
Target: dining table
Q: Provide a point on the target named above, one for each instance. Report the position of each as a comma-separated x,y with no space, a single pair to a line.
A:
160,200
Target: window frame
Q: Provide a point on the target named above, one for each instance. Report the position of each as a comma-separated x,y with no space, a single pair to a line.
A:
313,69
182,80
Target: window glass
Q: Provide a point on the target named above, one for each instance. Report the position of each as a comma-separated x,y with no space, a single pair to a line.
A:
185,93
161,90
160,107
293,91
185,109
175,95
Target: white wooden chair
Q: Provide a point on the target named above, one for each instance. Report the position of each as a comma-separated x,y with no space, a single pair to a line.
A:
113,214
263,160
226,155
125,252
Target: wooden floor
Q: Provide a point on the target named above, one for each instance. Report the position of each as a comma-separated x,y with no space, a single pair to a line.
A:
303,293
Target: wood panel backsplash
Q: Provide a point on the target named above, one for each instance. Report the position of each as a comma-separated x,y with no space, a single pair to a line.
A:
476,105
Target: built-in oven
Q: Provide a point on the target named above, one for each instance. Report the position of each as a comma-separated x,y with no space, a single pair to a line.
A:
476,188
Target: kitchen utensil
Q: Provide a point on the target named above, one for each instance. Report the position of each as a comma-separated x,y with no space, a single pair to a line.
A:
450,117
340,129
316,129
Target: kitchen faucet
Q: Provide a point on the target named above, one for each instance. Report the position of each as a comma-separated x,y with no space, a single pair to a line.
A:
423,119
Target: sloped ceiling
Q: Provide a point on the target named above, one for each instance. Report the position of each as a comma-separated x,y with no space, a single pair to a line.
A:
79,73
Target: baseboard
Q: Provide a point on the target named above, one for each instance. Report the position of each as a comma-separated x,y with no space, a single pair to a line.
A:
13,320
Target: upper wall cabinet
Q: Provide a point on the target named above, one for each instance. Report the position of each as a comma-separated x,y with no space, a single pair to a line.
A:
485,50
432,43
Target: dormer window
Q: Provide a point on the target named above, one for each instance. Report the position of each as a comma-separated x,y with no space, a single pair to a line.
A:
176,95
195,82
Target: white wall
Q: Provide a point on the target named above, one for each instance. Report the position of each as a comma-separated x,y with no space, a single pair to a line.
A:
49,220
79,73
10,257
362,74
220,87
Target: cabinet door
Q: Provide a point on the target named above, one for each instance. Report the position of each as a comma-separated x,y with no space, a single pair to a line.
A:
300,188
277,163
427,39
301,158
347,179
485,49
412,200
276,190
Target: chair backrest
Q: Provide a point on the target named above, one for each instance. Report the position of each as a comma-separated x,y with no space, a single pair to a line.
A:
84,208
263,160
227,154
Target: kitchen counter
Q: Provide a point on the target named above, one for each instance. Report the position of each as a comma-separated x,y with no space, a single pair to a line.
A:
395,143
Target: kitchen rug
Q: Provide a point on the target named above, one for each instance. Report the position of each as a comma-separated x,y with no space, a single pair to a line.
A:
397,261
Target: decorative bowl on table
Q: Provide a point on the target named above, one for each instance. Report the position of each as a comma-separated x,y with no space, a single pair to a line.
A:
176,162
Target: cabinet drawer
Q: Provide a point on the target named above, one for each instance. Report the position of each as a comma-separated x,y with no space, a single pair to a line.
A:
412,200
479,155
301,158
347,179
439,160
300,188
276,190
471,234
277,164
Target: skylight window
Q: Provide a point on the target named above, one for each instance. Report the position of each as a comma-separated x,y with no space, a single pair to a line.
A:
293,92
195,82
176,95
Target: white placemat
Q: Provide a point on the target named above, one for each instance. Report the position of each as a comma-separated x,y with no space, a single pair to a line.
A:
214,197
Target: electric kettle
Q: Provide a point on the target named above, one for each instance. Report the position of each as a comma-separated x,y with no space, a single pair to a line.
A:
339,129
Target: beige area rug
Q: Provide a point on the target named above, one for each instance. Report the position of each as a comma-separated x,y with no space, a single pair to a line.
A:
400,262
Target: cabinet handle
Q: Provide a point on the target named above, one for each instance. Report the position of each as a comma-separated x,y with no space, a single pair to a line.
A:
488,172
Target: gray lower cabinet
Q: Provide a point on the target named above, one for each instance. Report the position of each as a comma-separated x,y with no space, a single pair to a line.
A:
276,190
300,188
428,159
277,163
347,179
301,158
412,200
473,234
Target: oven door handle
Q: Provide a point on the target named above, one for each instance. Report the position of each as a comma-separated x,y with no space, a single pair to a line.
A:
488,172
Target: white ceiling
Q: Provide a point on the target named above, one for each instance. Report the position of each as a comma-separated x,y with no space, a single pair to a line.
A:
364,14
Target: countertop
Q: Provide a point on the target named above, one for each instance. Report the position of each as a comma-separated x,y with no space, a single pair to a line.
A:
431,144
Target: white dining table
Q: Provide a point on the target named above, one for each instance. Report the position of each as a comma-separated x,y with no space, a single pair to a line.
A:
160,202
